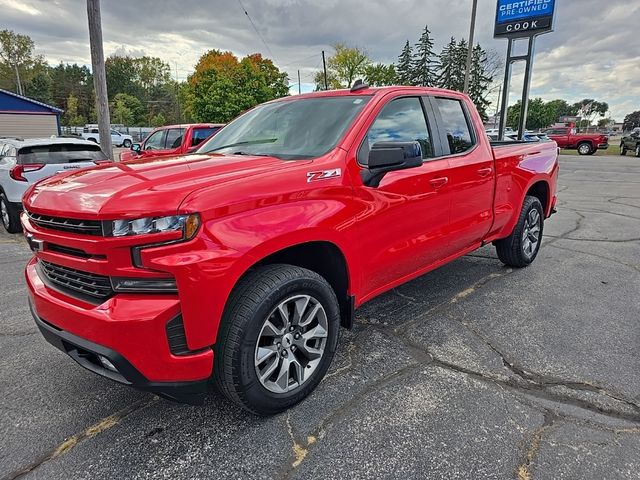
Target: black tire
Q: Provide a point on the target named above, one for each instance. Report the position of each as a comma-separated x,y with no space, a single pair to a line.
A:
585,148
127,143
623,149
10,221
250,304
511,250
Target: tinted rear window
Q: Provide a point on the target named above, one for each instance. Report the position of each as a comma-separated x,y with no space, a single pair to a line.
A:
59,153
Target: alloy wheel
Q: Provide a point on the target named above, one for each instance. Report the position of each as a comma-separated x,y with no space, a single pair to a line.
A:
291,343
5,213
584,149
531,233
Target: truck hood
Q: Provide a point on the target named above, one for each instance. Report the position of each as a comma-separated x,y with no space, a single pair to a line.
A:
142,187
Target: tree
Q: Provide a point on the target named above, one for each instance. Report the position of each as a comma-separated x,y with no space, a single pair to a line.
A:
479,81
424,65
71,118
589,109
348,63
631,121
404,68
559,108
16,51
127,110
451,75
73,80
222,86
380,75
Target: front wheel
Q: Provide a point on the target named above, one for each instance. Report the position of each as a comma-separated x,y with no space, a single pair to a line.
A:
277,338
638,150
521,248
585,149
10,217
126,143
623,149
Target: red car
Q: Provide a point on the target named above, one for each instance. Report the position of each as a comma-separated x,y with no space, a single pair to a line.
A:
585,143
172,140
241,262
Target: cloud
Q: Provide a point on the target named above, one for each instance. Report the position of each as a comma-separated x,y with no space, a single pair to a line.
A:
593,52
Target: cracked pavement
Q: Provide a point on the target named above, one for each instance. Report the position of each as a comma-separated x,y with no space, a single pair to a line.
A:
474,370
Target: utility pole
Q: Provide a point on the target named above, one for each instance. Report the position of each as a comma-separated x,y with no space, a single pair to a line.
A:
472,30
99,76
299,87
324,66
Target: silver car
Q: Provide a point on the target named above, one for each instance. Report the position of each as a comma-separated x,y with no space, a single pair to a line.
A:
24,162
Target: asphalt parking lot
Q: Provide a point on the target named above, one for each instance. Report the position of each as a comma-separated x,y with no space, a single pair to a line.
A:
472,371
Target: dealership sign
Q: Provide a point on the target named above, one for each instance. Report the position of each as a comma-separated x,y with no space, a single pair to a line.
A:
523,18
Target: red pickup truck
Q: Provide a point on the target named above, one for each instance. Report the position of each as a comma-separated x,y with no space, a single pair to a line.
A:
172,140
239,264
585,143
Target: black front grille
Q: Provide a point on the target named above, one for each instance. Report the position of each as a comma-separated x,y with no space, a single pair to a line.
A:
96,286
85,227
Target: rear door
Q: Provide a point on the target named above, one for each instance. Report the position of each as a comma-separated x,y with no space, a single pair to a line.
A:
471,174
42,161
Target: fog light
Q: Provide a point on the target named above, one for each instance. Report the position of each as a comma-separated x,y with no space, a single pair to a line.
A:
106,363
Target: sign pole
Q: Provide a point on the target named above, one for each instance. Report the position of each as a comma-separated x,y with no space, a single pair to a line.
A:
521,20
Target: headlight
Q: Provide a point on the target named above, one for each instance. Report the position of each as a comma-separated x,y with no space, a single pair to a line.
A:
186,223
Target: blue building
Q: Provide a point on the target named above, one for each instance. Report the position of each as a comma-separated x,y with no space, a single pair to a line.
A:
26,118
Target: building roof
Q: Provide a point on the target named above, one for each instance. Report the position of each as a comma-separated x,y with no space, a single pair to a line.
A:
18,99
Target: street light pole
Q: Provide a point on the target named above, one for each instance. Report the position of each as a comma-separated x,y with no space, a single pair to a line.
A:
99,76
472,30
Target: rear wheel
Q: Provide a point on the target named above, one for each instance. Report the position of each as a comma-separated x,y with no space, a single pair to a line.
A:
277,338
10,216
585,148
521,248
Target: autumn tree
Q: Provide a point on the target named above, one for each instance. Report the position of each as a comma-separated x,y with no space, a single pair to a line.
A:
18,62
223,86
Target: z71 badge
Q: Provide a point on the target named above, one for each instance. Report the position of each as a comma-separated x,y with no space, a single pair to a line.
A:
323,175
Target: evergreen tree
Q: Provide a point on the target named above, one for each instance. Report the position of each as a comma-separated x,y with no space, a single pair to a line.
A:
447,77
424,63
479,81
404,68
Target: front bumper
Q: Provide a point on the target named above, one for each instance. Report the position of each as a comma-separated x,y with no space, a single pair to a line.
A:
129,330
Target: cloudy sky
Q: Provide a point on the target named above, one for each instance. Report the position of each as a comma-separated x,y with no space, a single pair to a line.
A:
594,53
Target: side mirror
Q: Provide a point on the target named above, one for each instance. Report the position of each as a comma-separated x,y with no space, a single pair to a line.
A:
136,147
387,157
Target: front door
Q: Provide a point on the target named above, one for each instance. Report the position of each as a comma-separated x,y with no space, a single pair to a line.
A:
402,228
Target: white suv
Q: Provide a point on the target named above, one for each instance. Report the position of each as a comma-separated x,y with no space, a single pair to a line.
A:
117,139
24,162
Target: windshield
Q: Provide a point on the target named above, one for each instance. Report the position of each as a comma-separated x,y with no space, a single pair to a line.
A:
59,153
291,130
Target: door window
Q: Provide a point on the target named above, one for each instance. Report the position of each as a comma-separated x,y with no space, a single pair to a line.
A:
455,125
174,137
156,140
199,135
401,120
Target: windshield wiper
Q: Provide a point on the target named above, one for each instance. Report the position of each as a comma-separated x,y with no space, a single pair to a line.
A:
247,142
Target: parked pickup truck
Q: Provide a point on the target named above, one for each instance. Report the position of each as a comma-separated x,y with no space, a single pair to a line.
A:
117,139
172,140
239,264
585,143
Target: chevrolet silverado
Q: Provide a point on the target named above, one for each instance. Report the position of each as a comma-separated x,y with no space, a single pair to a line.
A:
239,264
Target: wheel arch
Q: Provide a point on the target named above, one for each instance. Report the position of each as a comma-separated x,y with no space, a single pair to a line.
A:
540,190
322,257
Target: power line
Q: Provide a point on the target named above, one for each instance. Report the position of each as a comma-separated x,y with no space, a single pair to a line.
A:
256,29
